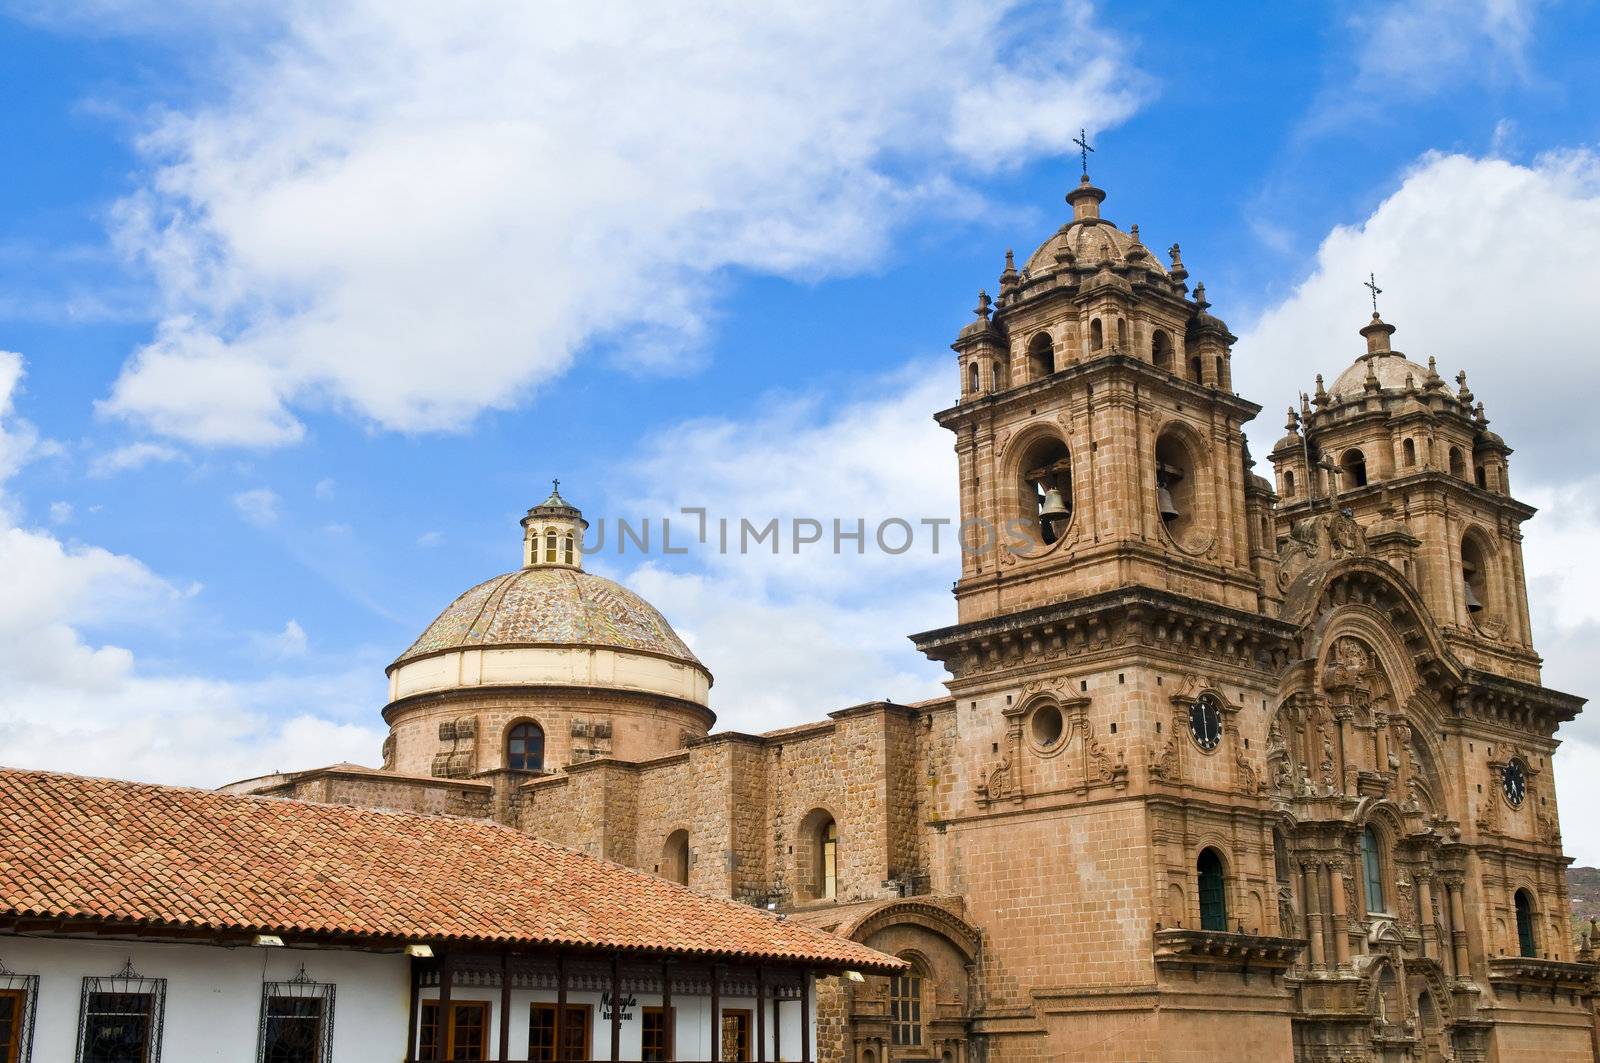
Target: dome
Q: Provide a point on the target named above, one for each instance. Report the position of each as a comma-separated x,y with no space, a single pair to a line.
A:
1391,368
1089,243
550,606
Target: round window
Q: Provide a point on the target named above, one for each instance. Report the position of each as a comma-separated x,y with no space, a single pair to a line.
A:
1205,722
1047,725
1514,781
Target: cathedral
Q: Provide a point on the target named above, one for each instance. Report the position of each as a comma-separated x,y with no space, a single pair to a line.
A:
1230,767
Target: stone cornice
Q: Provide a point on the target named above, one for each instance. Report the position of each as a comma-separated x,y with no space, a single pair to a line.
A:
1137,615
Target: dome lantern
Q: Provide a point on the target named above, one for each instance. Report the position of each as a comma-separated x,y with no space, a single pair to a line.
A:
552,533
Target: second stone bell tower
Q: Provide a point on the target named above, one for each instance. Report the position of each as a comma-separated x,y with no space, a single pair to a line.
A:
1098,434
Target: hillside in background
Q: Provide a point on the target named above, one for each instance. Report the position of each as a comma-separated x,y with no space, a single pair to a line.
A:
1583,883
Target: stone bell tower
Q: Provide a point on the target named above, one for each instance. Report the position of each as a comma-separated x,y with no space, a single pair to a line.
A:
1414,462
1114,660
1098,433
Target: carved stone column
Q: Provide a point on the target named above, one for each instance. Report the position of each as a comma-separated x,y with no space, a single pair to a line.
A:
1313,895
1458,930
1340,920
1425,926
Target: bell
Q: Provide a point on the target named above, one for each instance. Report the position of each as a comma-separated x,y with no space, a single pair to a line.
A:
1053,508
1164,503
1473,605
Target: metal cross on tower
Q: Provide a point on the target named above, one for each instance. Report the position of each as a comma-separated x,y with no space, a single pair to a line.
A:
1371,284
1082,140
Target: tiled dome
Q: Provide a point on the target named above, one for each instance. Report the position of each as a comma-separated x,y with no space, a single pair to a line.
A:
554,606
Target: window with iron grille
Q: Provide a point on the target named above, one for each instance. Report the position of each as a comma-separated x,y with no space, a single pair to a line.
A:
296,1021
905,1007
119,1018
18,992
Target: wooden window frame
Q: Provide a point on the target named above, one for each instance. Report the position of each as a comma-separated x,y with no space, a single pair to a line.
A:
586,1010
749,1017
906,1026
669,1019
446,1051
21,1047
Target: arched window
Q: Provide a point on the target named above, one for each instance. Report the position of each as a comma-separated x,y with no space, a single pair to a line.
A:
675,858
972,379
1097,335
1213,891
1122,335
1041,357
568,547
525,747
1161,350
1354,464
1194,369
1527,943
550,546
1458,464
1288,484
905,1006
828,861
1409,448
1372,871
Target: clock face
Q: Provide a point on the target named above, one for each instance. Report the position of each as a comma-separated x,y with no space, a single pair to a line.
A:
1514,780
1205,722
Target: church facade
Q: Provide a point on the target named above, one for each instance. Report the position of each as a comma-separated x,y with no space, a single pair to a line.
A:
1229,767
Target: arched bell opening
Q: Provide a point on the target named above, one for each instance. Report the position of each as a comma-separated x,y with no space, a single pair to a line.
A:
1477,589
1045,489
1177,493
1041,356
1161,350
1354,466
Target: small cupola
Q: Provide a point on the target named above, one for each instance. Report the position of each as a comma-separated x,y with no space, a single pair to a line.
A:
552,533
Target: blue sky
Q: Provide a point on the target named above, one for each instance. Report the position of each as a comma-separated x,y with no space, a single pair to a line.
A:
307,304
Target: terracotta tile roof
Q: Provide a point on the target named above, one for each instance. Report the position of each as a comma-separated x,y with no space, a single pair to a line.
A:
139,855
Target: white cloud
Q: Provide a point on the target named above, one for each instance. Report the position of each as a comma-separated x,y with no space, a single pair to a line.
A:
325,489
60,512
258,506
410,217
1489,266
1423,45
132,456
70,702
1486,264
290,642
